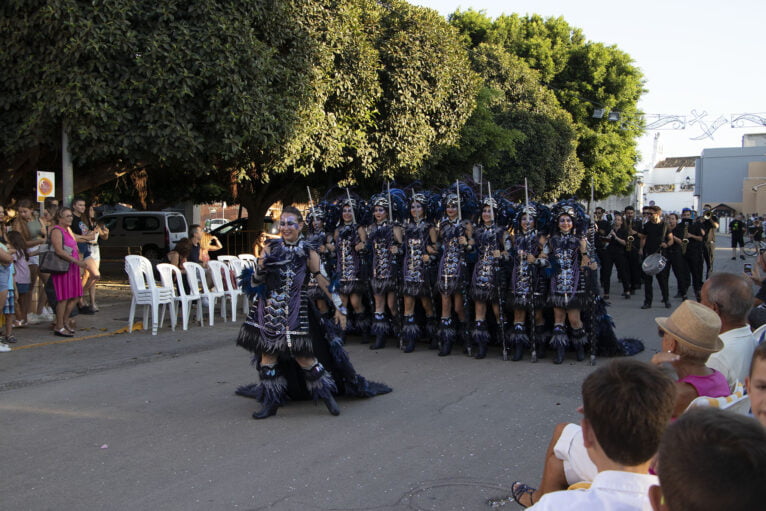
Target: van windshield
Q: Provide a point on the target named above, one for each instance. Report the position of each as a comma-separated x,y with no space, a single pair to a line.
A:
176,223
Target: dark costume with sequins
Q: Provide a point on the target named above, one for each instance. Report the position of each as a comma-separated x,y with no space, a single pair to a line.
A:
316,240
416,273
348,265
567,289
527,290
284,323
487,280
384,275
451,278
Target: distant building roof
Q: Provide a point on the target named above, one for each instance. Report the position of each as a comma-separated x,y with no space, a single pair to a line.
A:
677,163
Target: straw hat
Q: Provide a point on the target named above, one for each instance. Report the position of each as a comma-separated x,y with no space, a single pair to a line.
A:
695,325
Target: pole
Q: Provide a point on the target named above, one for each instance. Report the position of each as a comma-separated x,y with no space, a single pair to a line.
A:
390,213
67,172
350,205
491,210
311,202
459,212
526,196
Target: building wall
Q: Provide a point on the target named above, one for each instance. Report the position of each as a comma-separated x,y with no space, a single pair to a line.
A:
720,173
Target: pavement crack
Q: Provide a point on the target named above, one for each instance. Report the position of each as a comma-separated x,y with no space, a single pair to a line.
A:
456,400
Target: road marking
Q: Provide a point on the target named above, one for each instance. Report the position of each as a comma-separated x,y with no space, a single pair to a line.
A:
137,326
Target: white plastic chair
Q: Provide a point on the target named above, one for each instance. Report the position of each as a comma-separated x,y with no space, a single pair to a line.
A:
147,293
758,334
227,258
249,259
170,274
237,265
225,281
195,274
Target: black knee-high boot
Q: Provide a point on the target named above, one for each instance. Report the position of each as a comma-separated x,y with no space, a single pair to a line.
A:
446,336
519,339
432,330
379,329
559,341
270,392
540,341
464,337
321,385
578,340
410,334
481,338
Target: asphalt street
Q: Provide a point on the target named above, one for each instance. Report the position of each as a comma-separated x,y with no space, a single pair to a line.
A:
111,420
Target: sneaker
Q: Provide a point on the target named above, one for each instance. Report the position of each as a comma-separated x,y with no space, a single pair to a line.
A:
10,339
34,319
4,347
48,311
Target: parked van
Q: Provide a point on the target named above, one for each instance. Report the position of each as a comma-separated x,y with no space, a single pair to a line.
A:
148,233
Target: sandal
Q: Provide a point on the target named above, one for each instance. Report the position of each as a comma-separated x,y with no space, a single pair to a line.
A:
62,332
519,490
10,339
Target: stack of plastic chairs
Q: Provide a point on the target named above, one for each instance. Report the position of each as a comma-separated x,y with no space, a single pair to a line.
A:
195,274
225,281
146,292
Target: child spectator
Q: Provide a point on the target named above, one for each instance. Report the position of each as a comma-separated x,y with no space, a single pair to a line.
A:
6,285
22,277
755,384
711,460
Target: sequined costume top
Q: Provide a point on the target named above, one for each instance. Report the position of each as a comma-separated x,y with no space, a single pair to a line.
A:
381,238
315,241
487,272
452,265
278,320
416,271
348,264
566,287
527,286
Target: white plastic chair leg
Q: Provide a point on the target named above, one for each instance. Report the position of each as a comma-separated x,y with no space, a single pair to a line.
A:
131,315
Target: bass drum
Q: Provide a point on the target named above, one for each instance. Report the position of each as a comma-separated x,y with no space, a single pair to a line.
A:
654,264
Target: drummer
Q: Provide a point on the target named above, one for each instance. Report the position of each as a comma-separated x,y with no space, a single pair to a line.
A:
655,238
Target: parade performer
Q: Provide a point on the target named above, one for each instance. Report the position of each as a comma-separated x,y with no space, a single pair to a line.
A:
420,251
675,253
695,237
567,255
655,238
616,256
527,290
456,239
633,241
284,325
486,281
349,241
318,240
385,239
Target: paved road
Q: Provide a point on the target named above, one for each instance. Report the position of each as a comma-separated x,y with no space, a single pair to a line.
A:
131,421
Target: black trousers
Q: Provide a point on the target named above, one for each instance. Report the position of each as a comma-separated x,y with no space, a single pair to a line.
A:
662,279
615,259
680,271
694,261
709,255
634,267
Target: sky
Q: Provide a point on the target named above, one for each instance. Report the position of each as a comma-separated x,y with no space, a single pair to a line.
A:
701,59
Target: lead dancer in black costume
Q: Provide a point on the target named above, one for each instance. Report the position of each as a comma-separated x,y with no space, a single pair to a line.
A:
281,323
567,254
527,290
456,238
419,255
490,245
386,240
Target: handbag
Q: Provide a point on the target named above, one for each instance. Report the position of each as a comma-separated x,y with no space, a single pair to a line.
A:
51,262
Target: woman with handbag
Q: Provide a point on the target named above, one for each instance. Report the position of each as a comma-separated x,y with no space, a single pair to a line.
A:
67,284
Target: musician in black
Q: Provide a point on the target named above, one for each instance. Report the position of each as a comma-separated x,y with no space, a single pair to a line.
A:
694,250
710,224
675,253
655,238
633,225
602,239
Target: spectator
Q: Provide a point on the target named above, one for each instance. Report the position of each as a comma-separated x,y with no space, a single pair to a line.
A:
567,461
102,232
711,460
21,279
737,228
84,234
178,256
689,336
195,236
32,232
626,407
67,285
6,283
208,243
755,384
731,297
757,315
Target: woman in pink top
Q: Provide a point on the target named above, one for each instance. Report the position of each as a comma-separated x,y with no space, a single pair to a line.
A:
67,285
689,337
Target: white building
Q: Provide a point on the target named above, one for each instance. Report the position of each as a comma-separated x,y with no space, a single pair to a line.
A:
670,184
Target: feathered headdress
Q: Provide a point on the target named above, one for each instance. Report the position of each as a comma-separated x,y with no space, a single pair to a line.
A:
576,212
469,205
398,202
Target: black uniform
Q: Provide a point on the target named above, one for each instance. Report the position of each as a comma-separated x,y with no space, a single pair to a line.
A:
615,256
677,260
655,235
710,225
694,256
634,259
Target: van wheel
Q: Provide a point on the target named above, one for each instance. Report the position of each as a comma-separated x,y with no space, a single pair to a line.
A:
151,253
